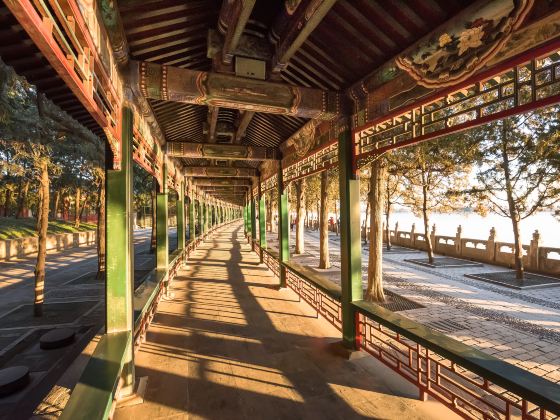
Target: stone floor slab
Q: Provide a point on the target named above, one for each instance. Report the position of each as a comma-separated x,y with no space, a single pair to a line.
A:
229,345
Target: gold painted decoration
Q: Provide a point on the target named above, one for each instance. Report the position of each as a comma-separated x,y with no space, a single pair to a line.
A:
465,44
304,138
227,91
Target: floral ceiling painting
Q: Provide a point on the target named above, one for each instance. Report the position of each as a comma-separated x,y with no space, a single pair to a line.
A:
465,44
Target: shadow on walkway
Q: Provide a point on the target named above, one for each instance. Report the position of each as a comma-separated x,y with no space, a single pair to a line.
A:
227,345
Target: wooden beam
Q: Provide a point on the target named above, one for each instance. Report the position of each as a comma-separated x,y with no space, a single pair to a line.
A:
220,171
244,121
114,27
233,18
223,90
293,27
221,182
389,88
213,112
221,151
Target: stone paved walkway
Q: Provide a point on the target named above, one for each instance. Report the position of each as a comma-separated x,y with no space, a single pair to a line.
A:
228,345
521,327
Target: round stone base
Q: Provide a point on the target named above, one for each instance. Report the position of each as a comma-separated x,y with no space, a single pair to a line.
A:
12,379
59,337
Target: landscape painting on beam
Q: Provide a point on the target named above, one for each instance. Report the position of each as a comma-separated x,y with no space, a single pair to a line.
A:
464,45
220,151
226,91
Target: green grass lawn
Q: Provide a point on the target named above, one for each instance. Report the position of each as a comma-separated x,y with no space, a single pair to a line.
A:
11,228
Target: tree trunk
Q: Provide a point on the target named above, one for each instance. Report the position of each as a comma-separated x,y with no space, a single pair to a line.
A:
374,290
319,212
365,223
83,207
335,218
324,261
22,200
425,216
56,202
300,200
78,199
42,232
387,229
39,207
101,231
153,236
513,211
7,202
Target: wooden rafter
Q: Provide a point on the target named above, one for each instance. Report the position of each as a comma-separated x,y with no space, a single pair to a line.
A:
244,121
294,27
233,18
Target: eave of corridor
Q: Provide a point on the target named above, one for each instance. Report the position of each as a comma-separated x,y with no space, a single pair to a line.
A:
227,344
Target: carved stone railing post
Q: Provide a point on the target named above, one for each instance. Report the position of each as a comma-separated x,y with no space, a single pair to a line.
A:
534,251
458,243
491,245
412,236
433,237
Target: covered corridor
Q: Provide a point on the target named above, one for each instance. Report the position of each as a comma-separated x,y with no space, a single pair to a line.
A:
228,343
228,106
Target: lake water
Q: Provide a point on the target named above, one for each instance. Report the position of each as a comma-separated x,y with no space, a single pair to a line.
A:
478,227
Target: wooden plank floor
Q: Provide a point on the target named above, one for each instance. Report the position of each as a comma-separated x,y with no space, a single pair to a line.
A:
228,345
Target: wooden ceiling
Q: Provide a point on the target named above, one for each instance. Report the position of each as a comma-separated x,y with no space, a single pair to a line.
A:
352,39
356,36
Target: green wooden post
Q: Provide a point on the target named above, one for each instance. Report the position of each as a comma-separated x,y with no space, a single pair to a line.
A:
200,224
246,219
203,215
192,223
206,216
253,219
181,217
262,222
350,246
119,304
283,229
162,238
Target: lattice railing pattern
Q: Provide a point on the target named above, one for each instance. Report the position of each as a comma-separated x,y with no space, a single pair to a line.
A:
145,156
463,391
269,183
271,263
320,160
522,87
325,305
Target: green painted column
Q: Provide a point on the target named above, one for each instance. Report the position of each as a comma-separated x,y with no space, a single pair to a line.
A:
162,234
253,219
181,217
203,212
245,219
206,216
192,222
262,222
350,246
119,290
283,229
200,217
